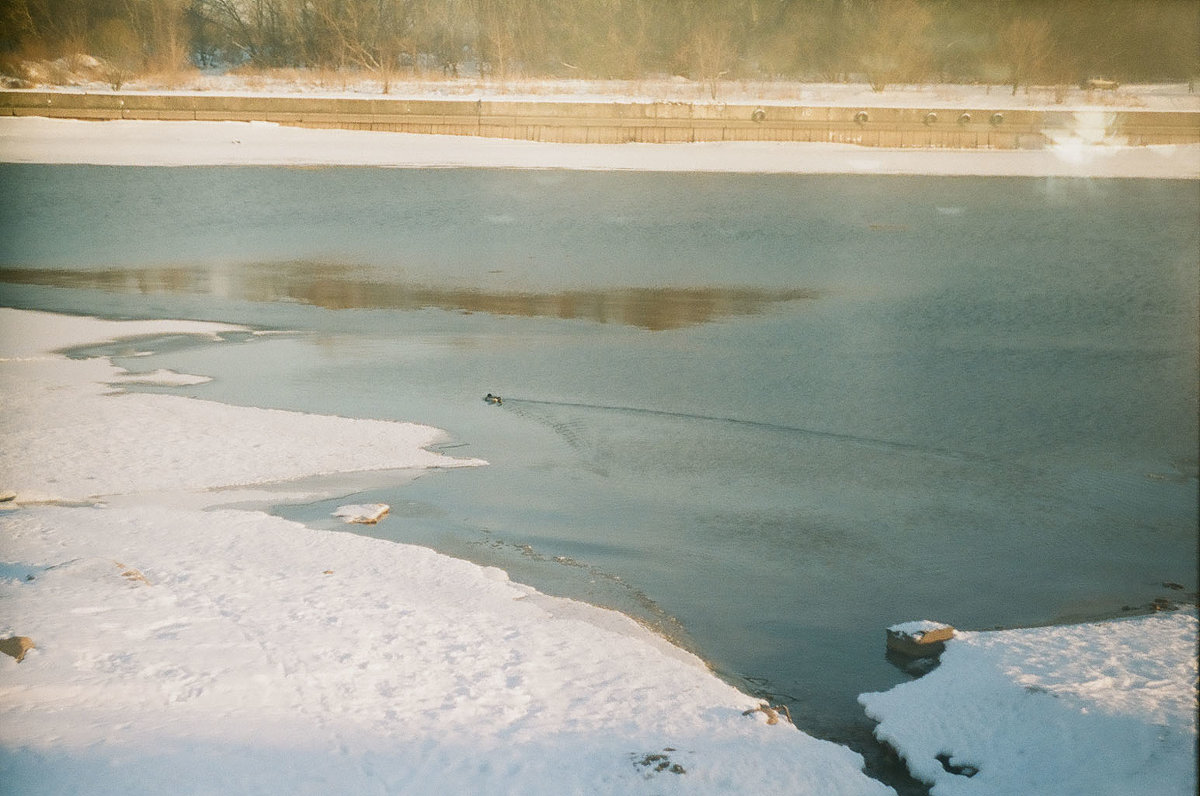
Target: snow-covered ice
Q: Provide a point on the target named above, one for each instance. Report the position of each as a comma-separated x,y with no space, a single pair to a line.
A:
1099,708
228,651
66,437
27,335
161,378
41,140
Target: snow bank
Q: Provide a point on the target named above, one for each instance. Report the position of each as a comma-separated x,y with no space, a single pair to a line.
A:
41,140
161,378
1164,96
220,651
67,437
1105,708
32,334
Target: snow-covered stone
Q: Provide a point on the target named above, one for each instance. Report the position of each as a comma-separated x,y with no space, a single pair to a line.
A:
1100,708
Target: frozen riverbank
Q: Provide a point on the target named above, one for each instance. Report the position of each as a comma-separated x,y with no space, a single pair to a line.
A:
233,651
88,78
1100,708
241,652
143,143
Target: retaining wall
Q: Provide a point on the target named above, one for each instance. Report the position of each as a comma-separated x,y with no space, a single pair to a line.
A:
621,122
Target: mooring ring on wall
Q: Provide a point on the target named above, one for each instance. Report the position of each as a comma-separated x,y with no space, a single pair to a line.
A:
861,117
997,119
964,119
759,115
930,118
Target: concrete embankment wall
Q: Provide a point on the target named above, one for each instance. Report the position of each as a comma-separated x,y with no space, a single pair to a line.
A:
622,122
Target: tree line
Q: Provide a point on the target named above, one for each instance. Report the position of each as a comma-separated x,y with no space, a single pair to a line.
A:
1015,42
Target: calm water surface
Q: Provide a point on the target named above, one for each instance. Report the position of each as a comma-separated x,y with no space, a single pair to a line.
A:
768,415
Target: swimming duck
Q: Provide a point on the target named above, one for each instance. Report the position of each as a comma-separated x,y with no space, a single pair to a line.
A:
493,399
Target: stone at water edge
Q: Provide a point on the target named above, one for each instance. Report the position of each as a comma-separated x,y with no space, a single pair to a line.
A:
923,639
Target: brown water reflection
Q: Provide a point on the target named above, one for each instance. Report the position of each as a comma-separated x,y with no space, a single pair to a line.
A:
347,287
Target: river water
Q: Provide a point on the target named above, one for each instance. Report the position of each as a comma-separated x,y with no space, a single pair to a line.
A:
767,415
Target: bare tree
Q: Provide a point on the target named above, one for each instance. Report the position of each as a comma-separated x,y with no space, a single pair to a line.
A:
443,29
890,41
370,34
118,45
158,26
1024,47
709,48
496,40
17,27
711,54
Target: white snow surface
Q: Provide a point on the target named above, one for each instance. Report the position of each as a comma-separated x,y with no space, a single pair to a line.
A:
29,335
1162,96
162,378
1084,150
227,651
1099,708
68,437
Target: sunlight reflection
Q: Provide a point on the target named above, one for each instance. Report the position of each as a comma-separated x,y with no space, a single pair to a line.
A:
347,287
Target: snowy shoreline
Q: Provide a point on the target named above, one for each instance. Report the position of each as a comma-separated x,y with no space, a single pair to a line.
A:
190,143
241,652
176,639
1099,707
305,83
